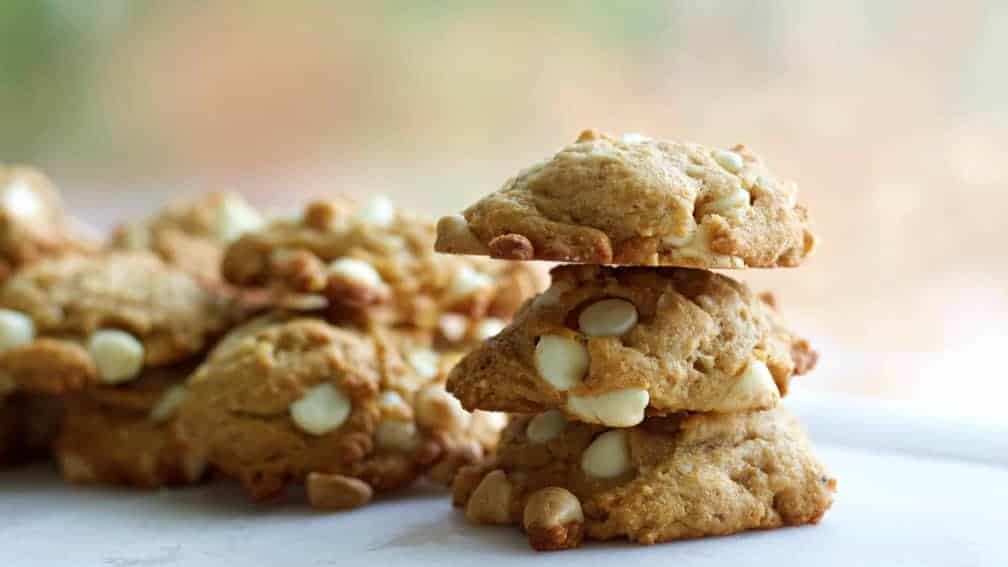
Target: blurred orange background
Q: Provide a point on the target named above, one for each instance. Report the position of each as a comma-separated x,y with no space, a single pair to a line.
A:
892,117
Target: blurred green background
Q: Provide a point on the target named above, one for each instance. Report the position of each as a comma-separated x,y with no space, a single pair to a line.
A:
892,116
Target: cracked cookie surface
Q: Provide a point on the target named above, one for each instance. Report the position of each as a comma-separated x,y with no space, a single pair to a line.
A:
668,478
609,345
379,262
33,224
282,401
78,321
637,201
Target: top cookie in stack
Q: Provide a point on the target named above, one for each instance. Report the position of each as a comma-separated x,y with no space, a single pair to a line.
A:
641,202
652,385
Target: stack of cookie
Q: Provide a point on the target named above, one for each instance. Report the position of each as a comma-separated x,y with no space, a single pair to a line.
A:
647,392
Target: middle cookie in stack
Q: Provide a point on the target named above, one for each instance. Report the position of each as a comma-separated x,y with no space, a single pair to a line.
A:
651,389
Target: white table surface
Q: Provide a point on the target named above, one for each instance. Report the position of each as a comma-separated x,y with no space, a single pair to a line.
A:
908,495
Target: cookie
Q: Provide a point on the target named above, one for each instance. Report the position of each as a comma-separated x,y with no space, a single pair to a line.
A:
192,234
33,224
610,345
75,321
282,402
124,435
29,424
668,478
637,201
379,262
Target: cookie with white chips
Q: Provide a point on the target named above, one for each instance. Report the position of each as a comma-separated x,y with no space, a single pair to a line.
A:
291,401
637,201
378,262
77,321
612,345
665,479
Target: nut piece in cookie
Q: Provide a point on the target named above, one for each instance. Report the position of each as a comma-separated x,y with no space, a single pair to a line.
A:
638,201
75,321
668,478
192,234
611,345
378,263
124,435
33,224
553,519
290,401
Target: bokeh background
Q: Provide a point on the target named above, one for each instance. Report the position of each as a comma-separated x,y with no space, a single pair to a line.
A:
892,116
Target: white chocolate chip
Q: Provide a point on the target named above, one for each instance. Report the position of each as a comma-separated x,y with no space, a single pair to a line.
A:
391,404
424,361
378,211
551,507
236,217
165,408
561,361
453,326
695,171
16,329
489,327
438,410
751,390
456,227
21,201
492,420
118,355
396,435
467,281
729,160
490,503
546,426
356,271
608,456
608,318
738,199
618,408
322,409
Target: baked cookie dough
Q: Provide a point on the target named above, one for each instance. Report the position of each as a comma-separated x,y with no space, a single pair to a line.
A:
29,424
75,321
610,345
302,401
33,224
123,435
637,201
668,478
379,262
192,234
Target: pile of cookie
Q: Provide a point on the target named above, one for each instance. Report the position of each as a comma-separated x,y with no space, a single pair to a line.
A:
644,387
210,341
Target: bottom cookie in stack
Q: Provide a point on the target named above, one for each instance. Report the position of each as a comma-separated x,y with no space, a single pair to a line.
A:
667,478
